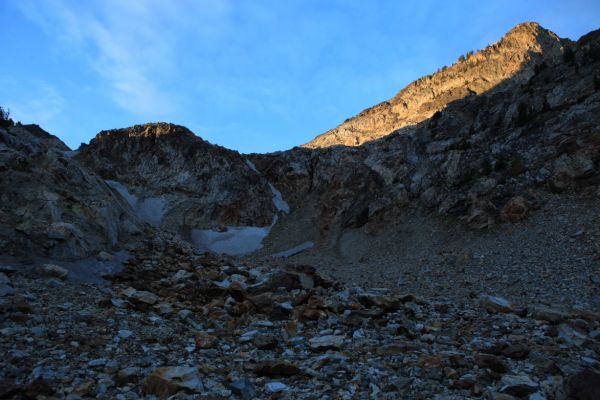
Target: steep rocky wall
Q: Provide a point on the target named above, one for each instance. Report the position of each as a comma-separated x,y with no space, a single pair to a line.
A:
483,159
177,181
52,207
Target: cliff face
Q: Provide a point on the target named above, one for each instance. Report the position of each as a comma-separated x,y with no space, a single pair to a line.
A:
177,181
513,58
126,186
50,205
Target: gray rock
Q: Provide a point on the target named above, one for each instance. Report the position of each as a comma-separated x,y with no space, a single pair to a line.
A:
125,333
104,256
184,314
140,296
275,387
548,314
264,342
55,271
60,230
518,385
327,342
6,287
39,330
98,362
167,381
495,304
6,290
571,336
181,276
128,375
243,388
4,279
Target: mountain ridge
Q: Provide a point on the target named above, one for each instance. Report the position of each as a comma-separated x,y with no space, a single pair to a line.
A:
513,56
478,159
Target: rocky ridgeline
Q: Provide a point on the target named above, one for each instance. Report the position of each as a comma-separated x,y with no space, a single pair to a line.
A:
177,181
483,159
509,62
177,325
488,157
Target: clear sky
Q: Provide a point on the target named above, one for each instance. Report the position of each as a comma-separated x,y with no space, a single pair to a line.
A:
251,75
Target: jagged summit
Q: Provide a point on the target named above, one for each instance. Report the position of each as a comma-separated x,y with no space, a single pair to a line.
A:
531,28
511,60
154,129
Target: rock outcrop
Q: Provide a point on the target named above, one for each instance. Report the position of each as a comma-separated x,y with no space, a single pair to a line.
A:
51,206
174,180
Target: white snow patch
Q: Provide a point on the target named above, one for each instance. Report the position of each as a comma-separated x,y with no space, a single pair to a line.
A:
295,250
123,191
278,201
252,166
153,209
280,204
235,241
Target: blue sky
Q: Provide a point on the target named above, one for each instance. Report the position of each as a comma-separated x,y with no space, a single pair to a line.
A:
251,75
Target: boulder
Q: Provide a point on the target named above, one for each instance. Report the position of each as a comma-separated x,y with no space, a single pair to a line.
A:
495,304
492,362
243,388
517,385
140,296
264,342
548,314
515,210
275,387
104,256
167,381
6,287
327,342
277,368
584,385
55,271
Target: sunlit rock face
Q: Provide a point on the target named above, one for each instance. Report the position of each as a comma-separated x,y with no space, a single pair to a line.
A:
50,206
174,180
513,57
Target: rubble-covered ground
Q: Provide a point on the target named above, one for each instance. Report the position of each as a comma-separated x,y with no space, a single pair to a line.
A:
551,257
174,324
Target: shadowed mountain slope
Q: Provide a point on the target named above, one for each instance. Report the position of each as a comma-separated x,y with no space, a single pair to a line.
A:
50,205
484,158
177,181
